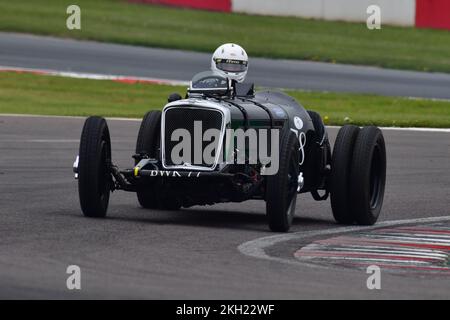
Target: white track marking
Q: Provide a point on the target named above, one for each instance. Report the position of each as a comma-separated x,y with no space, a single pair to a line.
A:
18,115
94,76
414,129
51,141
408,262
436,130
391,252
377,248
415,235
397,238
307,253
256,248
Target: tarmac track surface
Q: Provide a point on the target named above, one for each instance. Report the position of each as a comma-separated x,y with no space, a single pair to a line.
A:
26,51
191,253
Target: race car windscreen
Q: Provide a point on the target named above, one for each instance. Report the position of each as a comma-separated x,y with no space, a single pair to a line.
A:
209,80
231,65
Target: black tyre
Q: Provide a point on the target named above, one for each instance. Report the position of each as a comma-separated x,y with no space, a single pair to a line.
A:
324,158
148,141
319,127
339,183
94,177
281,188
318,124
368,175
169,203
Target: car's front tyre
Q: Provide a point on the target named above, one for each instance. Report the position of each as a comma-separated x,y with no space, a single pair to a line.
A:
281,188
94,177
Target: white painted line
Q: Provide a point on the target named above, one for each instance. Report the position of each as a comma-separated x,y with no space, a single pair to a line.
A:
414,129
19,115
417,129
256,248
441,130
43,140
169,82
417,235
94,76
390,252
379,247
430,99
407,262
53,141
430,240
326,253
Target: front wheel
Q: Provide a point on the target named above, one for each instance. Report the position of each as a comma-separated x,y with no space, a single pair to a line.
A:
94,177
281,188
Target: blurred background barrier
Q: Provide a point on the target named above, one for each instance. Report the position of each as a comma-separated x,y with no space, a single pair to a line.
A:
433,14
419,13
216,5
397,12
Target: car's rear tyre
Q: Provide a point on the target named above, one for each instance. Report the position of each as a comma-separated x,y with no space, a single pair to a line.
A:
94,177
148,141
339,183
368,175
281,188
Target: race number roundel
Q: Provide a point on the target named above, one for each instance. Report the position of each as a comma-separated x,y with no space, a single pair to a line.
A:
298,123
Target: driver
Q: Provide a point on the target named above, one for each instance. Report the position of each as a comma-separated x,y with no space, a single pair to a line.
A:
231,61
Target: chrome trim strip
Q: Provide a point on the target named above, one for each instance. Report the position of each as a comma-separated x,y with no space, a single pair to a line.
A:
201,104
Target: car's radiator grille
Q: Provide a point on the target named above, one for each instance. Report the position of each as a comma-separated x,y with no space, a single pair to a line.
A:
185,117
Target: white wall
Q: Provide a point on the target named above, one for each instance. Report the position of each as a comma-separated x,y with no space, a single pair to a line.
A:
397,12
303,8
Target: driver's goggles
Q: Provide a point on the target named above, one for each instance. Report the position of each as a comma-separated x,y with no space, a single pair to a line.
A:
230,65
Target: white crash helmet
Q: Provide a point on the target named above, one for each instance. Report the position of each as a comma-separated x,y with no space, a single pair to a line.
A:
231,61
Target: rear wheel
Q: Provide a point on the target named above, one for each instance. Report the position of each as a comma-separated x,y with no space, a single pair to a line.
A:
148,143
281,188
340,174
94,177
368,175
358,175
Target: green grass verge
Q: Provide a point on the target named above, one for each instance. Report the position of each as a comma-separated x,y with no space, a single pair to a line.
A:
50,95
276,37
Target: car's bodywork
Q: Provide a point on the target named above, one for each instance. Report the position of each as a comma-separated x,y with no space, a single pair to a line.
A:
232,175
